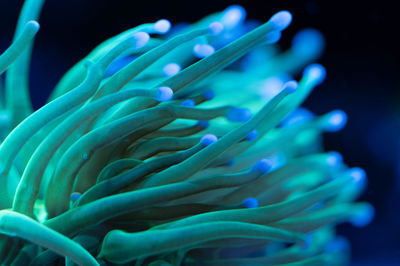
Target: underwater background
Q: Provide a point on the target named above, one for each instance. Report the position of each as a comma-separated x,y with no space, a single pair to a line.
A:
361,59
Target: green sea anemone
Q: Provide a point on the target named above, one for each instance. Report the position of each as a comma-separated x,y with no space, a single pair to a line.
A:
186,147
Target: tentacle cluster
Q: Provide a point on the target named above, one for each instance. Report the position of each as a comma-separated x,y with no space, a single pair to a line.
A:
168,147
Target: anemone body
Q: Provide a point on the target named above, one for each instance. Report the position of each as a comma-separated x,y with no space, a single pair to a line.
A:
175,147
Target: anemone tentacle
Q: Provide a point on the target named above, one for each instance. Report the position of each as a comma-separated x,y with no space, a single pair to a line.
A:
187,147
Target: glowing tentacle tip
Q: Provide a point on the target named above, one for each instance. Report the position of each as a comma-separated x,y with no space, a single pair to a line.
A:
316,73
336,121
188,103
273,37
250,203
208,139
300,115
252,136
339,244
216,28
334,158
363,216
164,94
358,174
118,64
290,86
141,39
238,114
203,50
262,166
281,20
162,26
232,16
33,24
203,124
171,69
208,94
75,196
308,42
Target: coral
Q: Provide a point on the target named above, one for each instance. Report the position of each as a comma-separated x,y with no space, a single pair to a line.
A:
186,147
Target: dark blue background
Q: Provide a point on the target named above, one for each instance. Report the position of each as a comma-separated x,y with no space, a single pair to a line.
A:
363,79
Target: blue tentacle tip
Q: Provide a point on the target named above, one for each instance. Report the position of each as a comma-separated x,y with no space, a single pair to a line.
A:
164,94
188,103
162,26
171,69
252,136
208,94
238,114
208,139
262,166
203,50
336,121
363,217
250,203
203,124
75,196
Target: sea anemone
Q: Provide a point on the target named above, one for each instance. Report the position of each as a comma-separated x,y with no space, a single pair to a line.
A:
186,147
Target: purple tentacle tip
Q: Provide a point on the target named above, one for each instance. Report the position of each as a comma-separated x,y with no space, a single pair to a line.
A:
281,20
171,69
203,50
162,26
291,86
141,39
208,139
216,28
164,94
